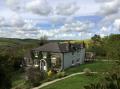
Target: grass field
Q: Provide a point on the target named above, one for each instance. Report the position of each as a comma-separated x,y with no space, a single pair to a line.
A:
76,82
98,66
17,79
79,81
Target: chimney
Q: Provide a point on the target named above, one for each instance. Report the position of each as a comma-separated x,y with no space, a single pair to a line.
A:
69,45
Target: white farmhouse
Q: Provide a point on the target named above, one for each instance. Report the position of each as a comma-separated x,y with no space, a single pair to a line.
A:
56,55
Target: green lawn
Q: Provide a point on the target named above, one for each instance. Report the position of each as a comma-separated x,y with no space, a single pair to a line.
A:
76,82
17,79
98,66
5,43
79,81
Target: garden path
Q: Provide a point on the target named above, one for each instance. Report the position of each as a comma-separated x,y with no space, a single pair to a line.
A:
51,82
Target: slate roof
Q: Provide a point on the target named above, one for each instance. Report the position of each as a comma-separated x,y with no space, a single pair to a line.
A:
58,47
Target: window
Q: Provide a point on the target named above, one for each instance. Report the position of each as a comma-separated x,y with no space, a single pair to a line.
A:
77,50
72,62
36,63
36,54
77,61
72,53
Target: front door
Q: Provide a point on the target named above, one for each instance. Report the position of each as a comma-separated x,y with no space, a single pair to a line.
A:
43,65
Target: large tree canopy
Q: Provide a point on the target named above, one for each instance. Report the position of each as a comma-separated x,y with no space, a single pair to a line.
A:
97,45
112,46
5,69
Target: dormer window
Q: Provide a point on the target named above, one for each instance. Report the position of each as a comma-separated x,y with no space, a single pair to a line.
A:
44,57
36,54
36,63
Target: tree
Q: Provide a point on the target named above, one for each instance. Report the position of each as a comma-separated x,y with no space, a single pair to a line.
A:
97,46
112,47
5,73
35,76
43,40
5,82
112,78
96,39
110,81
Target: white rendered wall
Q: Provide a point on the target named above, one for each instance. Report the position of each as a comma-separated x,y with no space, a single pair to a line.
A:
77,55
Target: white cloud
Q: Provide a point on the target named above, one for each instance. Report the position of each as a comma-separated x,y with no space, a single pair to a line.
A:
14,21
55,19
104,29
17,21
77,26
117,24
64,31
102,1
11,2
1,21
108,20
102,35
28,26
109,8
61,19
70,19
84,35
67,31
14,5
66,8
40,7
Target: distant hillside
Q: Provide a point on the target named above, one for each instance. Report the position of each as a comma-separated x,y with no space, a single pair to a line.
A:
13,41
21,46
18,46
16,42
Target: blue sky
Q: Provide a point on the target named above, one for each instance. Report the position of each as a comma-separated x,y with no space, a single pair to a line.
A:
59,19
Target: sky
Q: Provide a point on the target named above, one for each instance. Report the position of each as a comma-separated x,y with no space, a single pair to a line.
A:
59,19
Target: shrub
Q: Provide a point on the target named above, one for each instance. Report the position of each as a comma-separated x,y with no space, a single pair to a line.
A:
111,82
87,71
18,88
5,74
35,76
50,73
60,74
